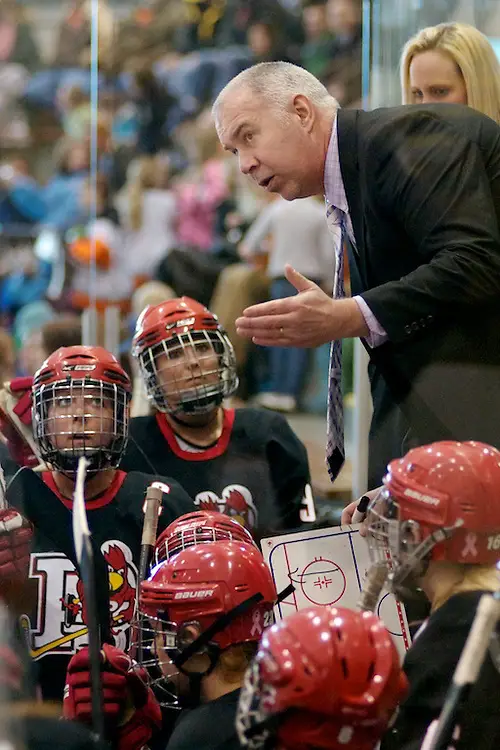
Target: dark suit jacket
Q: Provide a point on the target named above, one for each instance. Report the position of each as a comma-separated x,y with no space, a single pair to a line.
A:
423,188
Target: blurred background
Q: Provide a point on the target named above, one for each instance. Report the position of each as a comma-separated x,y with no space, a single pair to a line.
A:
114,192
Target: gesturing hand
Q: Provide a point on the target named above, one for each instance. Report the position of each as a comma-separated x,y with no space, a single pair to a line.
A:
308,319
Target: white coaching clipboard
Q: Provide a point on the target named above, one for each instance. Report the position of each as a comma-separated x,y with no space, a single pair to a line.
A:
327,567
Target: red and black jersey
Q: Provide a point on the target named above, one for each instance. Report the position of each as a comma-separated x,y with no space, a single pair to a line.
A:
429,665
257,471
209,726
56,624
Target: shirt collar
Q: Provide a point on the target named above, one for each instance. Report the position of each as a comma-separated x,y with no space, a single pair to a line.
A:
333,183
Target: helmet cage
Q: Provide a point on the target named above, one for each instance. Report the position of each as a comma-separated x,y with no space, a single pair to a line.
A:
255,725
201,384
197,532
78,401
404,545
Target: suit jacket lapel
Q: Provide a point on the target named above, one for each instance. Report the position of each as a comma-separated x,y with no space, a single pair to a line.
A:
349,167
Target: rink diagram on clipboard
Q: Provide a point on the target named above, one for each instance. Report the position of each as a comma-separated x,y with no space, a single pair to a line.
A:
327,568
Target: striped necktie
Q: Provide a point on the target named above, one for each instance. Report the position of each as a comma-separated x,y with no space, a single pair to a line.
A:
335,454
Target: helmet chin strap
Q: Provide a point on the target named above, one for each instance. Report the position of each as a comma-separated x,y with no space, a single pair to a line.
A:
219,624
401,573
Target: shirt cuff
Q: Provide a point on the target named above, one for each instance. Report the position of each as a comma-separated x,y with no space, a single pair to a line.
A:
377,335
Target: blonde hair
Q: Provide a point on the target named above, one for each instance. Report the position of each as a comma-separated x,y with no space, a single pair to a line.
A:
458,578
472,54
144,176
277,83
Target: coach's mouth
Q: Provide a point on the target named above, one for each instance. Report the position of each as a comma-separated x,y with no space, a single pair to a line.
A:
266,183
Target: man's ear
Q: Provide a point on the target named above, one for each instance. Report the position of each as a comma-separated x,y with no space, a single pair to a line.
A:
304,110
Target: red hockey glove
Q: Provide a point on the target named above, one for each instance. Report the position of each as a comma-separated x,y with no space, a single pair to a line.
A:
131,711
15,421
11,670
16,534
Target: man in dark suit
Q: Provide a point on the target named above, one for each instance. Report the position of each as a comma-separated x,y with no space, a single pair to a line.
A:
416,190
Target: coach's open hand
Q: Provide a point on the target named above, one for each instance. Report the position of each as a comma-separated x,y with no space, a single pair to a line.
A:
310,318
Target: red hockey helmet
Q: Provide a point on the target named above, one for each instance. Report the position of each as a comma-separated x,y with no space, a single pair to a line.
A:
80,408
324,677
193,590
199,527
185,357
439,502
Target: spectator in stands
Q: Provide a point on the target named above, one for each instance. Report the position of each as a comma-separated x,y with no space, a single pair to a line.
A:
7,356
17,42
343,78
265,41
153,103
201,190
18,57
240,14
199,30
64,330
75,112
56,204
147,210
292,226
73,44
316,53
100,243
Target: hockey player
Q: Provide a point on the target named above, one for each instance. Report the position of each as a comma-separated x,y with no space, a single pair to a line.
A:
80,408
200,527
246,463
439,516
210,604
324,678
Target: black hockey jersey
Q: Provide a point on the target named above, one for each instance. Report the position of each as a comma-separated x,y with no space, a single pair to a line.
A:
429,665
209,726
55,624
257,471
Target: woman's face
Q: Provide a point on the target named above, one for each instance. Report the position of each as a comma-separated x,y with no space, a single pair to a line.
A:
435,78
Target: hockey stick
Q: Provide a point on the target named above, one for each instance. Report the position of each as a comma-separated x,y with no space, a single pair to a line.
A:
85,558
467,669
152,509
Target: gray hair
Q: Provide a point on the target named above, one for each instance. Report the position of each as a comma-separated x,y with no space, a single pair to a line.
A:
278,83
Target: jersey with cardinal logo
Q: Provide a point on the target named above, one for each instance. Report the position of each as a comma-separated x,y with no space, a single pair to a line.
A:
257,471
55,624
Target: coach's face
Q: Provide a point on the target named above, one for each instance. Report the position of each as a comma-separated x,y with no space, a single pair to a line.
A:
282,150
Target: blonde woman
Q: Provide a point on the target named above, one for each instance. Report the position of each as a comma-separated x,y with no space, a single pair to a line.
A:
439,515
147,212
454,63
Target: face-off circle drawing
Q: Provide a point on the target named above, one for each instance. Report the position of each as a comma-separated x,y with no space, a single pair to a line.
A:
322,581
386,603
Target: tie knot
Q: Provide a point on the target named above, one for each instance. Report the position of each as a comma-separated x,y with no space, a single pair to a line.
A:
334,215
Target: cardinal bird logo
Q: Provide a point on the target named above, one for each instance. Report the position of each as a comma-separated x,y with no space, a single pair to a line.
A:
122,582
240,506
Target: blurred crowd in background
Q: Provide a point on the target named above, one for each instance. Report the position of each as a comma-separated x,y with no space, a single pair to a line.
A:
171,210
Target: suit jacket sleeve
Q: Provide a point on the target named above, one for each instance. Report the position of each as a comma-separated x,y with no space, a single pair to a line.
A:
431,181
